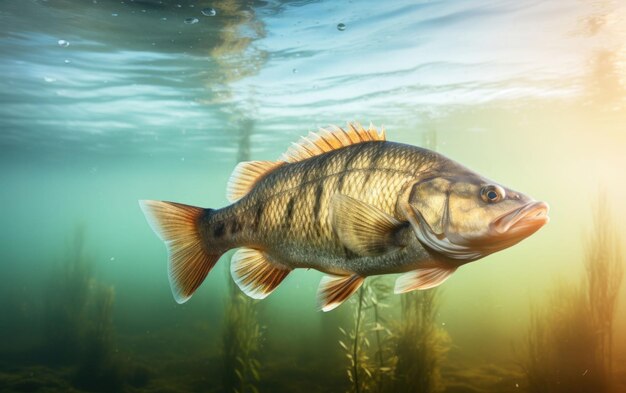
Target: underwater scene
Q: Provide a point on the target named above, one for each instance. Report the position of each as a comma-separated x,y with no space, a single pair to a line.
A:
394,263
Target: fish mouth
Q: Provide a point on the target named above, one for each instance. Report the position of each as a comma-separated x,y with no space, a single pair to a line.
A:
505,231
524,220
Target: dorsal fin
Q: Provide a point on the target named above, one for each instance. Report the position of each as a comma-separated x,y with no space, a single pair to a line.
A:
325,140
245,175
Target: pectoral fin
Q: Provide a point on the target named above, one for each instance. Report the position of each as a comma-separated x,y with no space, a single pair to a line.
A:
429,276
363,228
334,290
254,274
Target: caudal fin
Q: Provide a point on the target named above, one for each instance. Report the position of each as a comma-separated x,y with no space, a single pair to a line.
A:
189,259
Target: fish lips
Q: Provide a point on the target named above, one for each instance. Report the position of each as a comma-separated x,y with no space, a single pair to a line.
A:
523,221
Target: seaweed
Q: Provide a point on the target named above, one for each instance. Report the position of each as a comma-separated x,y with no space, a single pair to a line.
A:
356,353
560,341
242,333
421,345
604,271
569,340
368,346
65,302
78,325
97,368
386,356
241,345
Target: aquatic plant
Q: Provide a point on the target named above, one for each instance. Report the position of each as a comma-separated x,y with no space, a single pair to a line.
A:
396,357
65,302
78,324
421,345
241,331
561,343
604,268
97,368
241,345
359,361
368,345
569,340
384,356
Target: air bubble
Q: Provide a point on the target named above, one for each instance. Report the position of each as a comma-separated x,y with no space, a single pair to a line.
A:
191,21
209,12
341,26
63,43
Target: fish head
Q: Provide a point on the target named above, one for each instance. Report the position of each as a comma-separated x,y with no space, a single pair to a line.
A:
466,217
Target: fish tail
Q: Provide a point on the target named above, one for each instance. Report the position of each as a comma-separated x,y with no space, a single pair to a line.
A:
190,253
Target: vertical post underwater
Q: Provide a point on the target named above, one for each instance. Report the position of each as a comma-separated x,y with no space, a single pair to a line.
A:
420,344
241,331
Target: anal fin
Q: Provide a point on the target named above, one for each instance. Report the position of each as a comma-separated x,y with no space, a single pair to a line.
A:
429,276
334,290
254,274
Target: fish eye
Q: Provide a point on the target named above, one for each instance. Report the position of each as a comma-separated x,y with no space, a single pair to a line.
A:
492,193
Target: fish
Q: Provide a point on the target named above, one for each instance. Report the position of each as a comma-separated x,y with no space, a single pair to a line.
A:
350,204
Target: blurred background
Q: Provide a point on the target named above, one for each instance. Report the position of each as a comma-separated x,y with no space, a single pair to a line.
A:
103,103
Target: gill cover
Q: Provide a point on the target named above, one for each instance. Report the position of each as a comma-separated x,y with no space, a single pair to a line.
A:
428,211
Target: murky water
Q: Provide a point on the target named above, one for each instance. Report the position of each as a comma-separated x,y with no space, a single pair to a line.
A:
103,103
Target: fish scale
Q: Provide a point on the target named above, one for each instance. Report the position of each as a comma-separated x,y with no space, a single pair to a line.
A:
308,229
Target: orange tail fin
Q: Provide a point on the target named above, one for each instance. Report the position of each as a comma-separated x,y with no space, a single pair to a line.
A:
190,260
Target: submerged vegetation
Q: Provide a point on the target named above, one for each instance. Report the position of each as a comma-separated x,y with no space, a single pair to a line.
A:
570,339
98,369
65,302
367,344
241,336
241,344
78,323
394,356
421,344
604,268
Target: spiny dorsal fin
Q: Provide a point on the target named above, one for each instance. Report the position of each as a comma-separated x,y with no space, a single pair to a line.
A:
254,274
334,290
245,175
429,276
334,138
363,228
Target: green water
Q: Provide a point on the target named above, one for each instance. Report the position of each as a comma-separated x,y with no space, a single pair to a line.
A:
142,105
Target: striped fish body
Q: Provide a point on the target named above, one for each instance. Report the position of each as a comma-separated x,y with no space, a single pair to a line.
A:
350,204
287,214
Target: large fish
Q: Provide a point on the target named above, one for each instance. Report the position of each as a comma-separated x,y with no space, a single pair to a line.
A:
350,204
